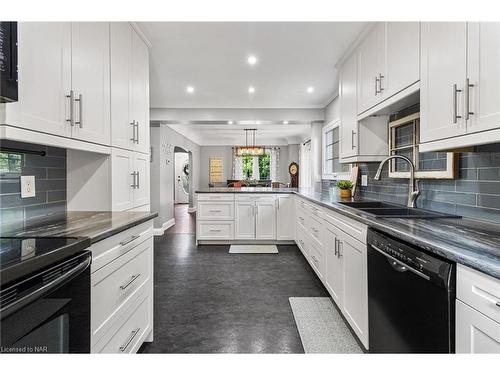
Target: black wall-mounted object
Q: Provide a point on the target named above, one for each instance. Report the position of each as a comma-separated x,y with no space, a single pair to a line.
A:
8,62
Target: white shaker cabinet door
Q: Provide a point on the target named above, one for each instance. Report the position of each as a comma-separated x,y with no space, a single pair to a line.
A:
334,267
348,109
355,297
483,66
122,164
44,62
244,220
402,57
475,332
443,72
285,217
140,92
91,81
371,67
141,190
265,225
122,127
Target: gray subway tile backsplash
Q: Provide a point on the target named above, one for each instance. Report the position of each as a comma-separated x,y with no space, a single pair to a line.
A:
475,193
50,183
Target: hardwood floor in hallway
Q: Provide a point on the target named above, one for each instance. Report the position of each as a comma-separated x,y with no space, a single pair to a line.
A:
210,301
185,222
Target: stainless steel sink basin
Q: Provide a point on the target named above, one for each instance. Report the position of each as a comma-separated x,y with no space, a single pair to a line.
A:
387,210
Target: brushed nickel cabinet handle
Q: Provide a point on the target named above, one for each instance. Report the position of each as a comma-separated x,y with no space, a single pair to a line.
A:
215,211
336,249
132,279
215,230
376,86
123,243
71,98
134,184
137,132
456,90
80,111
467,88
353,133
133,131
138,176
130,339
380,88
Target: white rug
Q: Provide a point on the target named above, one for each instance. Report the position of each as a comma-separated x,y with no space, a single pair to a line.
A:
253,249
320,326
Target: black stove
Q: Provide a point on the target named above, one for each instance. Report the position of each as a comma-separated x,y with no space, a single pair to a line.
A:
45,295
21,256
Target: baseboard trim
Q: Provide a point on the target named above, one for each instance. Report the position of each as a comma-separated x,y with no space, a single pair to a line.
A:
191,209
164,227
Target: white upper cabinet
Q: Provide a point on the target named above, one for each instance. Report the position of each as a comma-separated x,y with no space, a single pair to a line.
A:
402,57
460,93
348,108
91,81
129,89
122,126
444,69
140,92
44,78
370,68
483,68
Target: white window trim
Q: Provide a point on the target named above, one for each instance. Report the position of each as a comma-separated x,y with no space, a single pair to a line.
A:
335,175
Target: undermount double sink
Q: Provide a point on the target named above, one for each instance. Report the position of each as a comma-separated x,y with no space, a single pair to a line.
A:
388,210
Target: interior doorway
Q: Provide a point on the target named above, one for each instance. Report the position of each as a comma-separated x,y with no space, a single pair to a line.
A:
183,192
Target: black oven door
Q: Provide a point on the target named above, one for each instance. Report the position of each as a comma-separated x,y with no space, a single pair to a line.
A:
48,312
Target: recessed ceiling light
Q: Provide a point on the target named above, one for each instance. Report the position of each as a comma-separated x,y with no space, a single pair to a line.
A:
251,90
252,60
230,122
190,89
285,122
310,90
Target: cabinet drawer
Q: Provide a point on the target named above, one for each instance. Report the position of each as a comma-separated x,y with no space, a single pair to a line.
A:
215,210
105,251
215,230
317,261
315,229
303,241
117,286
255,197
351,227
479,291
216,197
302,219
131,334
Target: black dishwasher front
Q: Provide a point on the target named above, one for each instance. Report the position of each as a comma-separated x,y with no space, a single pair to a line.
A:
411,297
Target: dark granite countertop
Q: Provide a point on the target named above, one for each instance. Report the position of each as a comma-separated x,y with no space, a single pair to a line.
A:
243,190
96,225
469,242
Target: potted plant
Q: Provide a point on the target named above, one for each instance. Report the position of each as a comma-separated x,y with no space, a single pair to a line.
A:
345,187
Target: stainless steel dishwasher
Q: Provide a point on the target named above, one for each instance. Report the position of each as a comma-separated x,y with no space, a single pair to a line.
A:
411,298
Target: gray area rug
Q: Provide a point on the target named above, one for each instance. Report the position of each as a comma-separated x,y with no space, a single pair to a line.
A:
320,326
253,249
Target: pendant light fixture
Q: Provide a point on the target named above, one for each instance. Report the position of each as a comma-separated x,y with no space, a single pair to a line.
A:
250,150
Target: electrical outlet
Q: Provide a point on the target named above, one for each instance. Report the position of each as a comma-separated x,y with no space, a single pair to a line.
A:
364,180
28,186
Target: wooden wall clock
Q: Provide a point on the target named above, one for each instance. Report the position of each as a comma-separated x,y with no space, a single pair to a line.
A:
293,169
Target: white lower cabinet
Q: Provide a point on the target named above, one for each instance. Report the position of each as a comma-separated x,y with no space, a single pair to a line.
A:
285,225
245,220
122,291
339,259
475,332
477,312
265,219
355,297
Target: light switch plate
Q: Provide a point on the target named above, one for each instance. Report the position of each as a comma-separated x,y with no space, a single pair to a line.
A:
28,186
364,180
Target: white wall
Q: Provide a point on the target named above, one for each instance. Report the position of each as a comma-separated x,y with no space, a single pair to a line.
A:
316,154
163,142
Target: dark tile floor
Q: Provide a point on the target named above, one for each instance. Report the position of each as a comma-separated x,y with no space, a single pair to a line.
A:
209,301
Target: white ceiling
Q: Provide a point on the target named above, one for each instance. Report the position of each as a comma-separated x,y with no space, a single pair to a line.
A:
211,134
211,57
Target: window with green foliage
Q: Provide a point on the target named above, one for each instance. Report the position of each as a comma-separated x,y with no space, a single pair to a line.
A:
264,167
10,163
